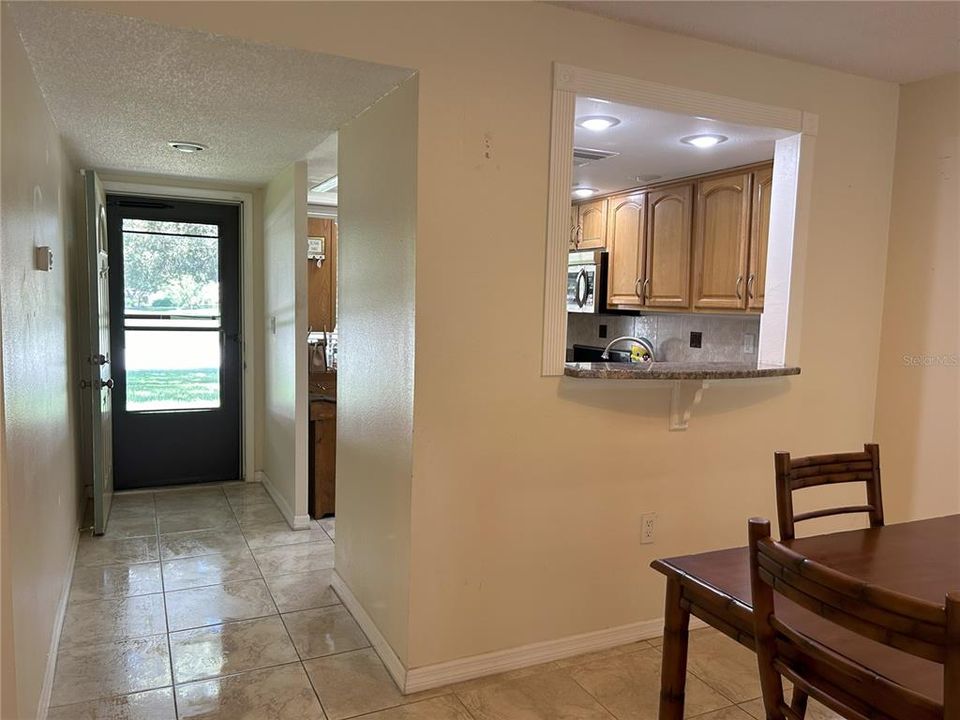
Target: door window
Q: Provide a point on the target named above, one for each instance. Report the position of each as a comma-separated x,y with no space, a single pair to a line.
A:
171,315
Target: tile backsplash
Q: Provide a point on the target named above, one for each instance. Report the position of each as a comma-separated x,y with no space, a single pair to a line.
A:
723,336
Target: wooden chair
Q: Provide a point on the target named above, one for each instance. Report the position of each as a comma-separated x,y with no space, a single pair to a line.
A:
913,626
796,473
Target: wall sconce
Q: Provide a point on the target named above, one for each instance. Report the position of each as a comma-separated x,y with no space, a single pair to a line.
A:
317,249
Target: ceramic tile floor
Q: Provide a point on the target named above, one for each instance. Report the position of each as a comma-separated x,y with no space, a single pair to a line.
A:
200,603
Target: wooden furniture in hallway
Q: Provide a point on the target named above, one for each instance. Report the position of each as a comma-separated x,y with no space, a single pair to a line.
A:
916,627
322,281
323,444
915,559
818,470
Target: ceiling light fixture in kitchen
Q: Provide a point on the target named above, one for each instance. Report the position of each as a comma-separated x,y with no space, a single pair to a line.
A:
185,146
598,123
584,192
328,185
704,141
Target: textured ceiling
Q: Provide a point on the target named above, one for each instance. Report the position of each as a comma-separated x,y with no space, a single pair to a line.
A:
896,41
649,144
120,88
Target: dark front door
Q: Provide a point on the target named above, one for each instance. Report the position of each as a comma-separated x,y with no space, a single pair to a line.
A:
175,340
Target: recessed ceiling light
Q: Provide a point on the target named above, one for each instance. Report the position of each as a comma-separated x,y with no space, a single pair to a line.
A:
584,192
186,147
647,178
328,185
598,123
704,141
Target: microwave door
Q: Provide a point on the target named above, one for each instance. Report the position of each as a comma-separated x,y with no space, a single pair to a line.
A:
580,288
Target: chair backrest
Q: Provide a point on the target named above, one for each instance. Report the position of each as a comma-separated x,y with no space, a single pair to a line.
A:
814,470
914,626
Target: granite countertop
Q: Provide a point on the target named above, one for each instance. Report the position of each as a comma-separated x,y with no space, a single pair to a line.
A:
674,371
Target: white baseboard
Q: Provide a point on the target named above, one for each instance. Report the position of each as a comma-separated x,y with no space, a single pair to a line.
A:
428,677
396,669
440,674
46,690
297,522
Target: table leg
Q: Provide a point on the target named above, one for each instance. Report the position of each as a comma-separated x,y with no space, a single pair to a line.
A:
673,674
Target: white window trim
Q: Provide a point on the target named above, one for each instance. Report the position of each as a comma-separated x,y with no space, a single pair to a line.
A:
245,201
793,168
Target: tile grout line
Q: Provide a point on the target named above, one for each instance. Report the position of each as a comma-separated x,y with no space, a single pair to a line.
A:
166,617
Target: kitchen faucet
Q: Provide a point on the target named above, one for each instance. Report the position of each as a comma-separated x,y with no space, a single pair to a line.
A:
642,341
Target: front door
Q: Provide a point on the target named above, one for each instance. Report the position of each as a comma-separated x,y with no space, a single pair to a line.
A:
175,336
97,426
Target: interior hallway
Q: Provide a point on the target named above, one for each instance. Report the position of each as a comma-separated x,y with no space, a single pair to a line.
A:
201,603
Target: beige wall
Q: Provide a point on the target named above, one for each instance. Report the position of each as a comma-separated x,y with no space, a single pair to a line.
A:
918,394
527,492
377,221
40,485
285,333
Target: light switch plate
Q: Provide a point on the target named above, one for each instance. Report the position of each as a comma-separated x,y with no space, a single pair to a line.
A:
43,257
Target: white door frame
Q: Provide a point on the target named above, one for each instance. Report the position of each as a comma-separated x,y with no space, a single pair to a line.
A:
245,201
790,203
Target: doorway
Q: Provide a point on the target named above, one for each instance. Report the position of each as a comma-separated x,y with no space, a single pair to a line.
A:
175,337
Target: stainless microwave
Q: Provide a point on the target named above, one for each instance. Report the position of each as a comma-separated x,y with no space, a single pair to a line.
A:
587,282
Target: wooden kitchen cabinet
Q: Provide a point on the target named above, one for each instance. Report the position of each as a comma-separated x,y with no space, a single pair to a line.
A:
322,281
589,220
323,457
721,242
759,232
625,244
574,227
666,276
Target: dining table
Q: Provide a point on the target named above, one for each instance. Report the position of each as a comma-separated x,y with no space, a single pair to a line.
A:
920,558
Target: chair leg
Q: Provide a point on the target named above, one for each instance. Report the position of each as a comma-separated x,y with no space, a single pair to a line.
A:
799,702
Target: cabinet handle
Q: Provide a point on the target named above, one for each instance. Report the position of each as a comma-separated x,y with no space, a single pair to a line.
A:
750,281
646,288
739,283
638,289
579,234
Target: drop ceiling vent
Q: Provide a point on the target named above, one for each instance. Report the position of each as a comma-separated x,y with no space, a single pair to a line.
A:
584,156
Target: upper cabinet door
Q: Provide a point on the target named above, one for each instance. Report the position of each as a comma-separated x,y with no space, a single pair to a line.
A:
669,219
759,231
625,231
721,235
593,225
574,227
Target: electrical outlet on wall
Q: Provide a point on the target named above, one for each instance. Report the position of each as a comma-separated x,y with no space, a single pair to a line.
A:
648,528
749,342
